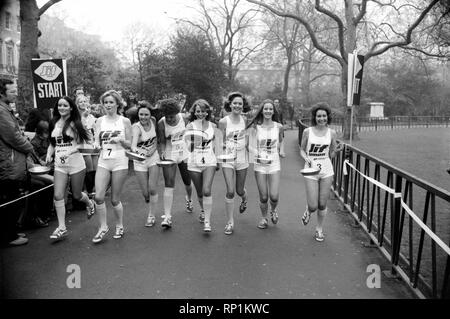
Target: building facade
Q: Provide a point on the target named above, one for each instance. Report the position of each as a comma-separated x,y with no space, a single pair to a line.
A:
9,39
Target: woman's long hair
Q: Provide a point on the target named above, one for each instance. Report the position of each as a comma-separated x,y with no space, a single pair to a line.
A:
203,104
74,117
259,117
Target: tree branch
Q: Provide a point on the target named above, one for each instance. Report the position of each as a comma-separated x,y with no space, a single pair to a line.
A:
47,5
372,52
307,27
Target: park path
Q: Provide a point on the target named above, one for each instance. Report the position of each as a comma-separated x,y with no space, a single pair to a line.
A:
283,261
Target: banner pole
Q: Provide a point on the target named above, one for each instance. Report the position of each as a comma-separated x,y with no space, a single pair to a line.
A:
351,124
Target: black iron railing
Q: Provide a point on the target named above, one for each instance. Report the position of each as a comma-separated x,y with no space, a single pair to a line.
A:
407,218
388,123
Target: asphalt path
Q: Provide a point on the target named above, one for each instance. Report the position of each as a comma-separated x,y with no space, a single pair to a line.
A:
281,262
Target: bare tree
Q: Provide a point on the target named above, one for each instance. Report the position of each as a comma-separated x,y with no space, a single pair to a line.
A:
228,27
29,17
349,20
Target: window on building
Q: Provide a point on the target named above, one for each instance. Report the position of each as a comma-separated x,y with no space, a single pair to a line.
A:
8,20
1,54
9,55
18,24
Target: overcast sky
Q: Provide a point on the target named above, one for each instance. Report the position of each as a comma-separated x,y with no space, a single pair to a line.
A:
108,18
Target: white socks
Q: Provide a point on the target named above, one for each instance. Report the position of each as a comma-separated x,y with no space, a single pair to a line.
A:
101,211
60,208
229,209
118,211
207,206
168,199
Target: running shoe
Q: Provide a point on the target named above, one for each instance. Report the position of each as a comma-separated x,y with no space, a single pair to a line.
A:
274,216
150,221
167,222
228,229
263,224
58,234
207,227
90,211
319,236
201,217
189,206
306,216
119,232
243,206
99,237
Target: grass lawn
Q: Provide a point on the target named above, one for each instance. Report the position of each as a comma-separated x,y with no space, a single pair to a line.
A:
422,152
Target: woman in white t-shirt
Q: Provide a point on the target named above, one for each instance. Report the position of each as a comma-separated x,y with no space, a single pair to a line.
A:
202,159
235,139
147,172
266,136
67,136
91,161
317,147
171,128
113,136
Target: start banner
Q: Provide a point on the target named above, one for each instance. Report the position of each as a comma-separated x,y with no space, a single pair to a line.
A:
49,81
354,78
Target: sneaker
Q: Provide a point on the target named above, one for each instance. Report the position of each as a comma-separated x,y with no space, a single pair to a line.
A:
274,216
201,217
167,222
58,234
150,221
189,206
207,227
319,235
306,216
263,224
19,241
90,211
99,237
243,206
228,229
119,232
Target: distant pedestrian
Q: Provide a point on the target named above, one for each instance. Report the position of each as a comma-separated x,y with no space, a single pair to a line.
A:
317,147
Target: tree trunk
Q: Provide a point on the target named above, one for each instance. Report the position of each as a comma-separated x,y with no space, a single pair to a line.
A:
350,45
29,15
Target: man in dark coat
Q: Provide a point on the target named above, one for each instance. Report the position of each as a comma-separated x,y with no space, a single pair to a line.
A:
14,148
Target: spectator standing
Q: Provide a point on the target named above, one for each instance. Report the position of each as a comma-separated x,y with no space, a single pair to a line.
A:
14,148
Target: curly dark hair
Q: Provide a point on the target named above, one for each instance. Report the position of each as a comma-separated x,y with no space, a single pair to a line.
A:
320,106
231,97
169,107
204,105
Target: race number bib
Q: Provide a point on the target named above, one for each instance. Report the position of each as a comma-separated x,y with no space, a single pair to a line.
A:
109,151
62,155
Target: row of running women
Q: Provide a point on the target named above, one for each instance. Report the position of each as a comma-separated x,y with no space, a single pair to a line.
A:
196,146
